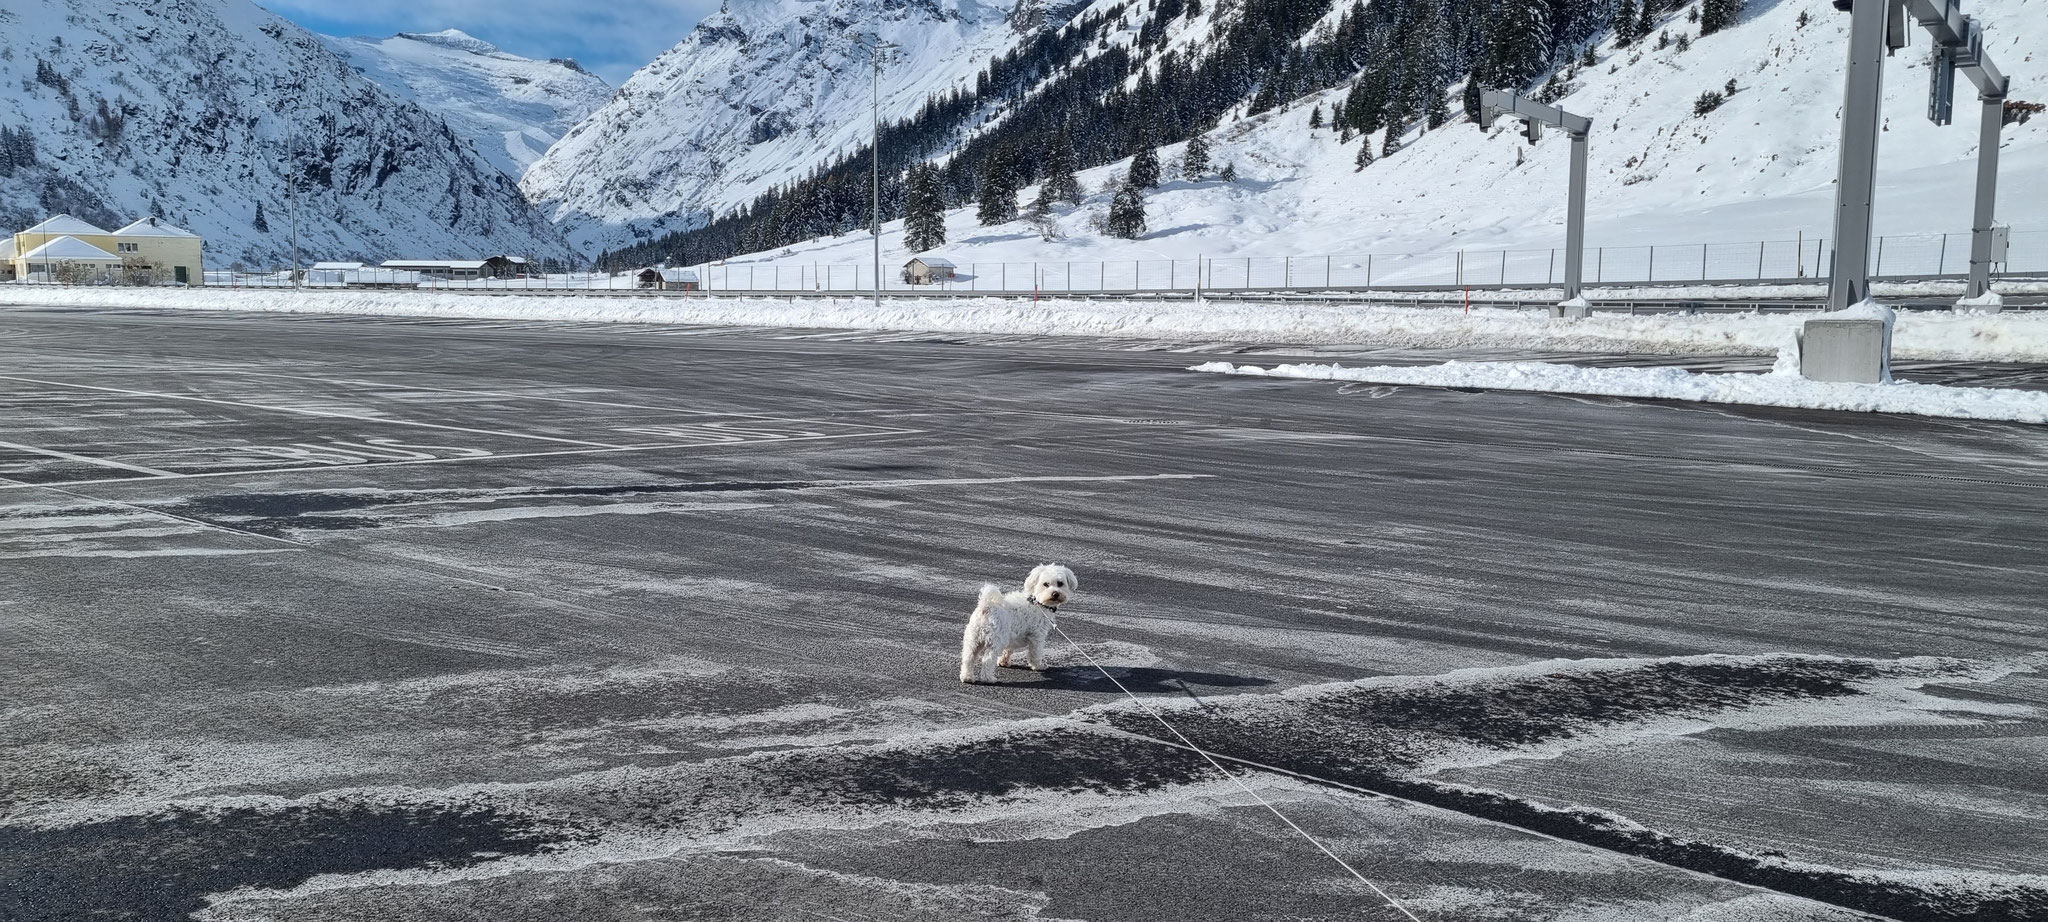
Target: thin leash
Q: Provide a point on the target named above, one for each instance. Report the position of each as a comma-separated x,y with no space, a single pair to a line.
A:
1312,840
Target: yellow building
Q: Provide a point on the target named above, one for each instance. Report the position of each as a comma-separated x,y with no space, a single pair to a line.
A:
66,249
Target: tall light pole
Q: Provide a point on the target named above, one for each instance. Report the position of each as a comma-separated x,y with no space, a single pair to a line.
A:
292,195
875,161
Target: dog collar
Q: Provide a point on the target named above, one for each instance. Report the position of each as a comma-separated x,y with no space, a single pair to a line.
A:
1055,609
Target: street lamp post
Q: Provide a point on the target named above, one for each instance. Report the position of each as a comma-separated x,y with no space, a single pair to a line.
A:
292,195
875,163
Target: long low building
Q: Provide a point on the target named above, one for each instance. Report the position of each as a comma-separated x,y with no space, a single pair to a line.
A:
68,249
492,267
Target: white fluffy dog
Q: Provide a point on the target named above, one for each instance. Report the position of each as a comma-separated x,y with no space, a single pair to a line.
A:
1005,622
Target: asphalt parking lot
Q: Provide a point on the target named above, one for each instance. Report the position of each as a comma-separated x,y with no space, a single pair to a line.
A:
325,618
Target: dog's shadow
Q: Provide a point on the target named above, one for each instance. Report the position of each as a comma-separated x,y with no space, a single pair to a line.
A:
1138,679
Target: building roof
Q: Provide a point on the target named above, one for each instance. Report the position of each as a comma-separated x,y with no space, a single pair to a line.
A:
70,248
434,263
936,262
336,267
7,247
381,276
153,227
64,224
672,275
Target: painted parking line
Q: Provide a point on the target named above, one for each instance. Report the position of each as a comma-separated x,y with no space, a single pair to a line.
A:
583,401
328,414
83,459
317,468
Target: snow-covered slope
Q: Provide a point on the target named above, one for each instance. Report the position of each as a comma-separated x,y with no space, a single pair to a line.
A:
192,109
1759,167
759,94
511,108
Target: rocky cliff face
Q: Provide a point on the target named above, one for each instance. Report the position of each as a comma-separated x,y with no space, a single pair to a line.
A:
511,109
759,94
203,111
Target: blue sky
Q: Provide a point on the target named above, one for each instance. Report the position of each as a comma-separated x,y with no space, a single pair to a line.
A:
611,38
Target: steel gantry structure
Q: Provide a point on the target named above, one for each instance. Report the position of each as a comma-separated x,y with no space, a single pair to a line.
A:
1534,115
1878,28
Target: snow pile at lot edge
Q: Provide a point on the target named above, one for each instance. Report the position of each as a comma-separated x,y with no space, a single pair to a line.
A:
1920,335
1771,390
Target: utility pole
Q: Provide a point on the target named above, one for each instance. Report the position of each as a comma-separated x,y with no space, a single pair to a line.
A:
875,161
292,194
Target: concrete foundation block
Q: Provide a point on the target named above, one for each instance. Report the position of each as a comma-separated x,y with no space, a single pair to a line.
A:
1571,311
1852,350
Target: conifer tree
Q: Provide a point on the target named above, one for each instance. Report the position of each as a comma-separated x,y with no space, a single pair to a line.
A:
1194,162
1366,105
1315,118
1517,45
1424,66
1145,166
997,203
1229,173
1364,156
1041,214
1626,29
1059,169
924,213
1716,15
262,226
1436,110
1127,212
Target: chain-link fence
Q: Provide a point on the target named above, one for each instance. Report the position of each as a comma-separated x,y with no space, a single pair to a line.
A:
1894,256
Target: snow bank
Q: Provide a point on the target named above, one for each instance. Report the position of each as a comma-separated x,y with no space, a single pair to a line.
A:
1989,301
2008,336
1772,390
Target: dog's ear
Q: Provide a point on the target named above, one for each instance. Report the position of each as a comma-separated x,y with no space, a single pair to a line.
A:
1031,579
1073,582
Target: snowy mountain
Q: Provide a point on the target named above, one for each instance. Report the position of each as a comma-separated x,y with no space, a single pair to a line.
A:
1666,169
198,110
760,94
511,108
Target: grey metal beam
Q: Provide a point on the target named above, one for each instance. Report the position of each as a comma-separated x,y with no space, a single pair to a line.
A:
1856,173
1958,45
1496,103
1575,221
1987,195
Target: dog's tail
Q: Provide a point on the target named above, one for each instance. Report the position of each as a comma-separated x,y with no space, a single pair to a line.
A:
991,596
